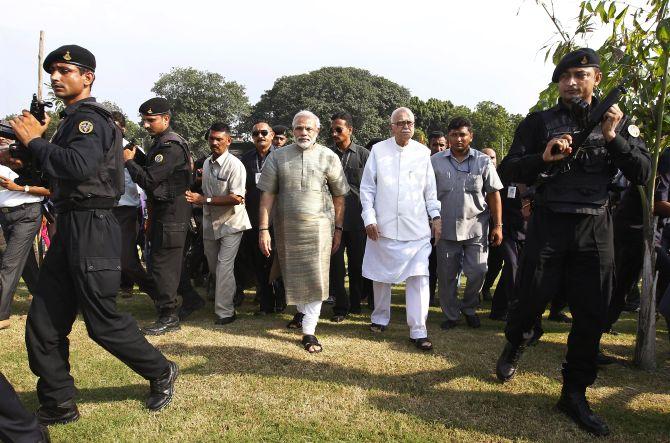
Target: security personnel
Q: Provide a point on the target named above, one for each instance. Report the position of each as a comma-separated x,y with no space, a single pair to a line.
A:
569,239
165,179
82,268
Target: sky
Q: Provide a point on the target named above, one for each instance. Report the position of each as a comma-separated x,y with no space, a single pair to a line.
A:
463,51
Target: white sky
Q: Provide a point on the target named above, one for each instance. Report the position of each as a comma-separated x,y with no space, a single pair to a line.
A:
463,51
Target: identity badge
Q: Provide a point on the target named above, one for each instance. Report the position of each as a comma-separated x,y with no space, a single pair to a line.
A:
511,192
258,177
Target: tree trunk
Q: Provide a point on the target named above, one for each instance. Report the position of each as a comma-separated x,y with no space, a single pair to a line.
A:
645,349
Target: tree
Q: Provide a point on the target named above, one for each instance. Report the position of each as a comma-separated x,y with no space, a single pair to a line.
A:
636,50
199,98
494,127
370,99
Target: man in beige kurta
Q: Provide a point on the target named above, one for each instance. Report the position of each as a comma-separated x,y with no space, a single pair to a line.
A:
307,182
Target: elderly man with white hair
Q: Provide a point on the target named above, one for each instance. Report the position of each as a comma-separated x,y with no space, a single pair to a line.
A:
400,209
305,184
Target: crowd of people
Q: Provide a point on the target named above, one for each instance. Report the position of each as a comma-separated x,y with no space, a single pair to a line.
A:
286,214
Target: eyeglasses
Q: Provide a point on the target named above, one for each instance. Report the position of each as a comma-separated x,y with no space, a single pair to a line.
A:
338,129
401,124
263,132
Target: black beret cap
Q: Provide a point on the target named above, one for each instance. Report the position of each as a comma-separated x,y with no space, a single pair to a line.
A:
72,54
580,58
155,106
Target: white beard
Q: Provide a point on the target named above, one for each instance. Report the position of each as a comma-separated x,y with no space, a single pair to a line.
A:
304,144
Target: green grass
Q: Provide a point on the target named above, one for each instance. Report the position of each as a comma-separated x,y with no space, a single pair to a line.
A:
252,381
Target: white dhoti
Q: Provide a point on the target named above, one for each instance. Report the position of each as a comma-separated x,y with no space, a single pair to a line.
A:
389,261
394,261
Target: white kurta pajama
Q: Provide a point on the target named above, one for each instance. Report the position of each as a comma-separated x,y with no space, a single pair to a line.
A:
398,194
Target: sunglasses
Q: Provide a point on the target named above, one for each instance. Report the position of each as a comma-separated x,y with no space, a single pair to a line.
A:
263,132
338,129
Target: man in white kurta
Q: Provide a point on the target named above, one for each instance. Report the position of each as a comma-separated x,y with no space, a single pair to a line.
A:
399,201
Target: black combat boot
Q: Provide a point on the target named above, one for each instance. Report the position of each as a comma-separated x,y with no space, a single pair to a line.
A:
167,322
64,413
510,356
573,404
162,388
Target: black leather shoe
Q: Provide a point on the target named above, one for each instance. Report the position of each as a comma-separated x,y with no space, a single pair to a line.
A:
221,321
473,320
509,360
190,308
162,389
62,414
575,406
448,324
162,326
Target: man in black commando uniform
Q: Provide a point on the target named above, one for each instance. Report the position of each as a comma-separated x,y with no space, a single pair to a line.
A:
82,269
165,179
569,241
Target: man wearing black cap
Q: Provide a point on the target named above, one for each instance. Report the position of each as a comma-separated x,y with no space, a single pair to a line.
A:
82,269
165,179
569,239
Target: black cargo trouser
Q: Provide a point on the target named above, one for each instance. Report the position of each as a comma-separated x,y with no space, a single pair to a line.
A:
354,243
509,251
169,225
17,425
130,261
81,272
573,252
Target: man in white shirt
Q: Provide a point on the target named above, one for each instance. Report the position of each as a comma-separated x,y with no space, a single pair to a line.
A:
224,217
21,219
399,198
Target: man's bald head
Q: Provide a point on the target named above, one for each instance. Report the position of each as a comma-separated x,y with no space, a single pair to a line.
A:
492,155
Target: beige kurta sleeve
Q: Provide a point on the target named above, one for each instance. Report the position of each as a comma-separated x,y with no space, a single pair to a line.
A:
269,181
337,182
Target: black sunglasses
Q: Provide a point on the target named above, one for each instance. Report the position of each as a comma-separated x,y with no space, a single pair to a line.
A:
337,129
263,132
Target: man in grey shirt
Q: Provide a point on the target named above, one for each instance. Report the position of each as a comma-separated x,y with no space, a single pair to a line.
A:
467,187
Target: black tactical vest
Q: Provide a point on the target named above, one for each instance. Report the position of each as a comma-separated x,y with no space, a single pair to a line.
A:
108,182
584,188
182,175
106,185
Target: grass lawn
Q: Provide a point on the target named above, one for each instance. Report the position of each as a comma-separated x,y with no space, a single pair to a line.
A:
251,381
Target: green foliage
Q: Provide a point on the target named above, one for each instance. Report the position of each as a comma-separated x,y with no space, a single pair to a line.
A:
370,99
492,124
199,98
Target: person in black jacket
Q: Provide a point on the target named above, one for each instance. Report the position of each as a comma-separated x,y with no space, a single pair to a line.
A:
165,179
569,241
82,268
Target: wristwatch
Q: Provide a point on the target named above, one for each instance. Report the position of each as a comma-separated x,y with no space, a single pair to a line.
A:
209,200
436,218
26,189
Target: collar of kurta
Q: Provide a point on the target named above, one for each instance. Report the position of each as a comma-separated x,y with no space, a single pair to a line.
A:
71,109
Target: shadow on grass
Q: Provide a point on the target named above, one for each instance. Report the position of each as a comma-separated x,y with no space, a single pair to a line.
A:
423,394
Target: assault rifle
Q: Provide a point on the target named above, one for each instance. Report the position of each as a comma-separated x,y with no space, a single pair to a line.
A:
587,120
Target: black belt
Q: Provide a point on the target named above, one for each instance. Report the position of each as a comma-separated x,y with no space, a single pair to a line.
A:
17,208
84,205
